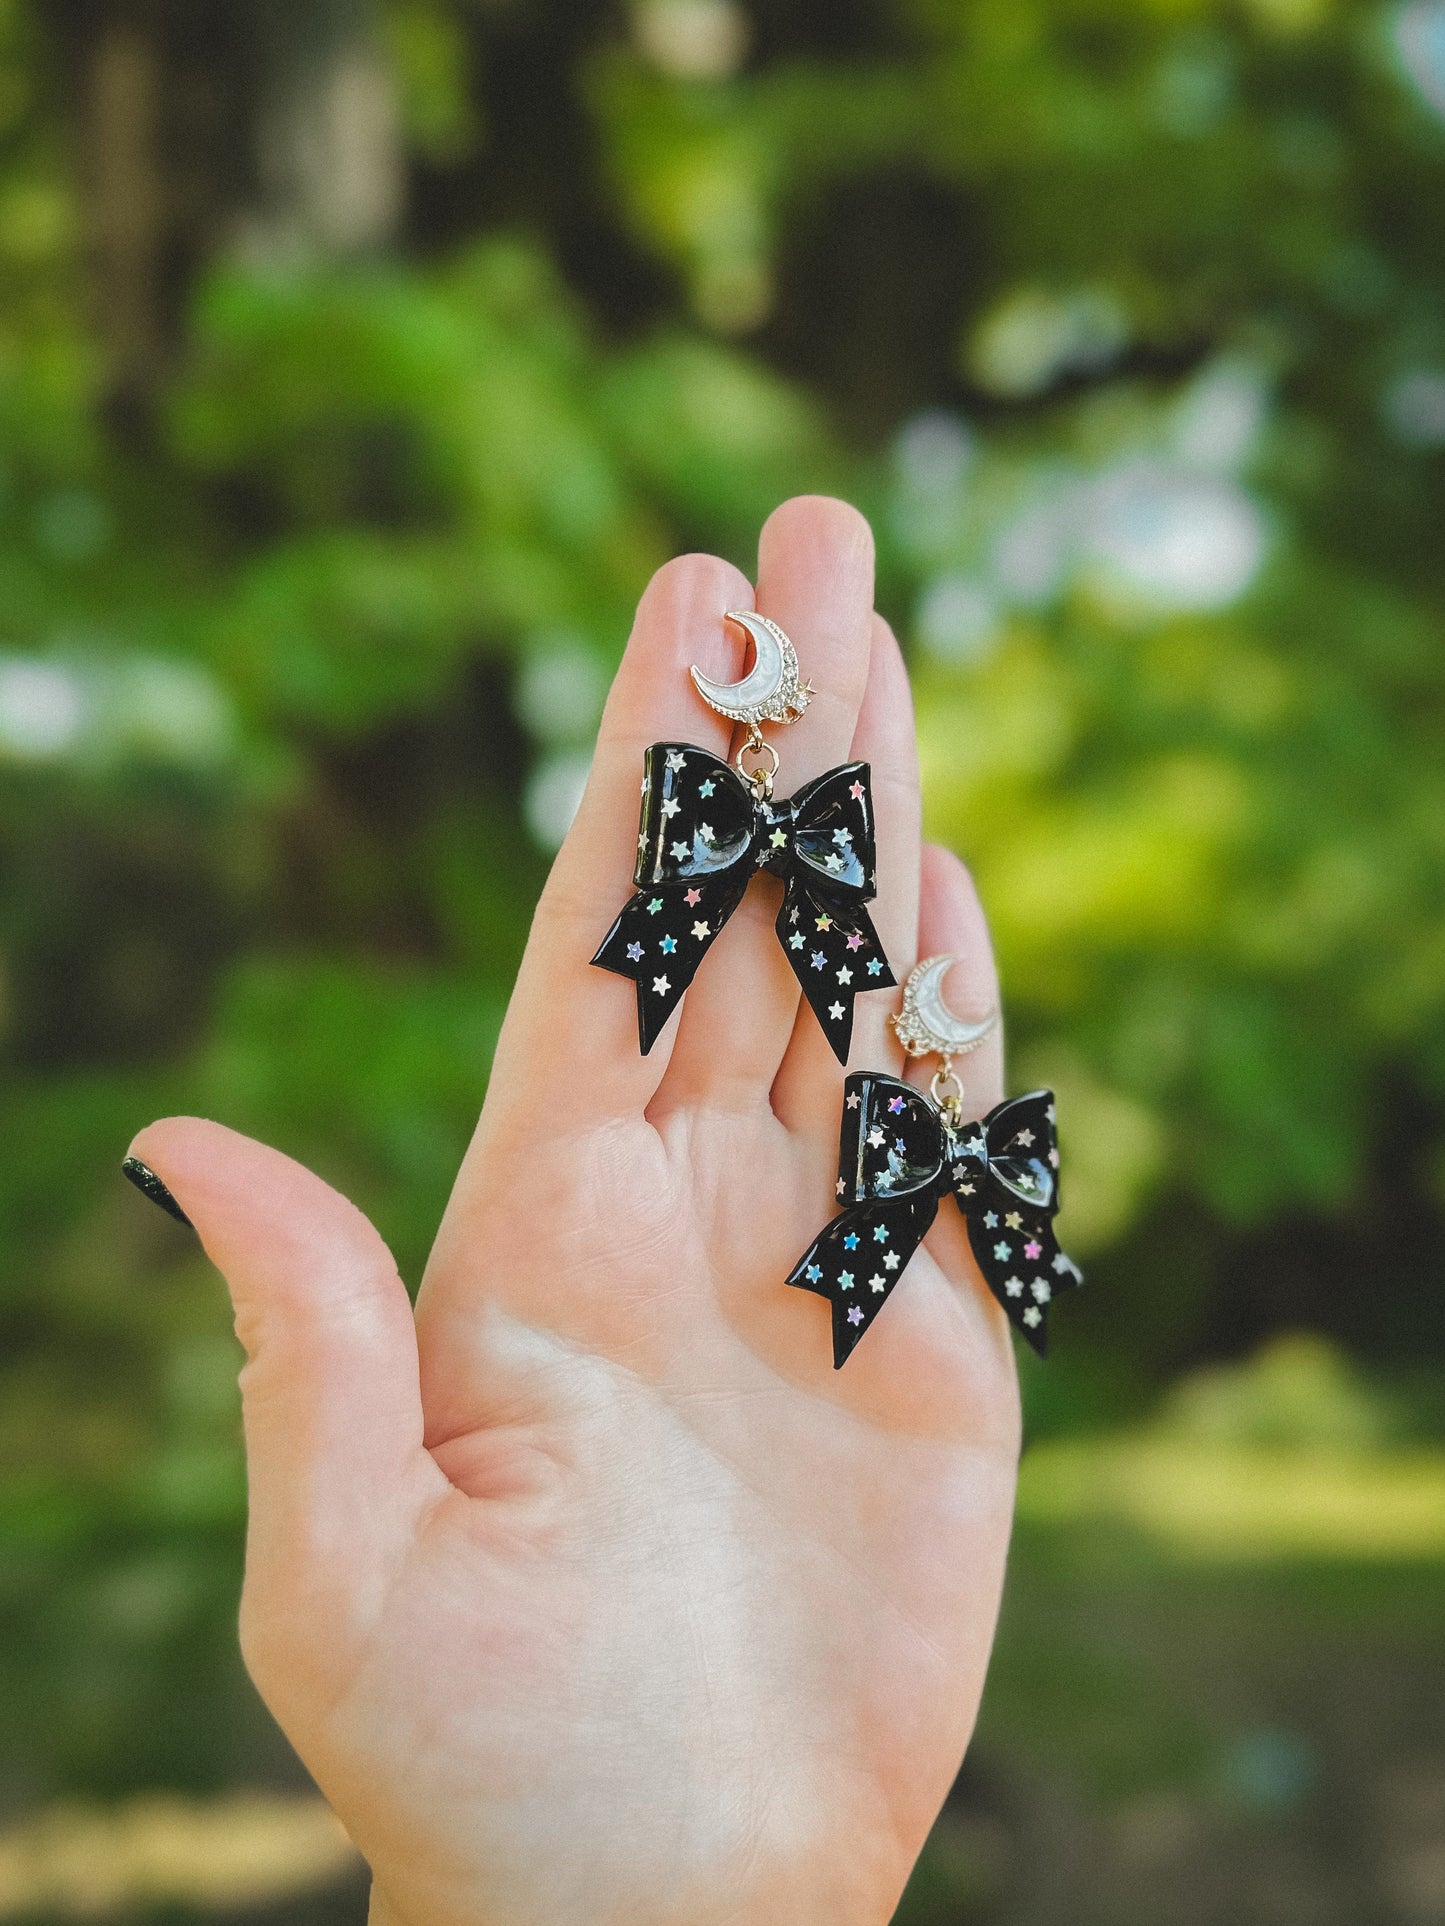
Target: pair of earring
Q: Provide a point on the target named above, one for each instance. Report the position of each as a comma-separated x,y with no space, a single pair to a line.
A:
707,828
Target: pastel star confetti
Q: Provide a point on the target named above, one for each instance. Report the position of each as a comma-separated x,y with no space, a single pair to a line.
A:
634,951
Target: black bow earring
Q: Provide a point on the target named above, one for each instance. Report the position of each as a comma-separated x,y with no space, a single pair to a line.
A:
706,828
900,1152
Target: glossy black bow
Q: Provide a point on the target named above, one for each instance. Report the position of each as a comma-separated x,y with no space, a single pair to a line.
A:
897,1156
704,834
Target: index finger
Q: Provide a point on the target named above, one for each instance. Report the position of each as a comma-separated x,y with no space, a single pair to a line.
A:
566,1019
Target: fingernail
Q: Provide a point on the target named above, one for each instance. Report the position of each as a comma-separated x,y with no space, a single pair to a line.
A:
149,1185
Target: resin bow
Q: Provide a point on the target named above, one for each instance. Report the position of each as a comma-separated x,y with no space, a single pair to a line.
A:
705,831
898,1155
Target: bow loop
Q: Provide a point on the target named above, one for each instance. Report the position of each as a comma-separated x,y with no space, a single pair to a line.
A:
1022,1149
833,835
697,816
892,1141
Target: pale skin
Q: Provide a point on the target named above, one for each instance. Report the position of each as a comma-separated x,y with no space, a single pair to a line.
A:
590,1592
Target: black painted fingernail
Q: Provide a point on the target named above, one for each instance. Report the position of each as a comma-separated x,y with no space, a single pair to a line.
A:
149,1185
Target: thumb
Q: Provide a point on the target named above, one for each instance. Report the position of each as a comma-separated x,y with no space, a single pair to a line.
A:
336,1466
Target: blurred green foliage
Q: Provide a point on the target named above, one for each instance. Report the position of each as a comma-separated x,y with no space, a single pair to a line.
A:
1124,320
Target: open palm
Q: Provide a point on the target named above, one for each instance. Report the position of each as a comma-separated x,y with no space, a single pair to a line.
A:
589,1592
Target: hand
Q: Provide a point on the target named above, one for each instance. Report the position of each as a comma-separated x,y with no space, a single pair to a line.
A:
591,1593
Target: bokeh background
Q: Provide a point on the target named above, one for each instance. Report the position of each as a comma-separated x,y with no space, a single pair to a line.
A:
358,362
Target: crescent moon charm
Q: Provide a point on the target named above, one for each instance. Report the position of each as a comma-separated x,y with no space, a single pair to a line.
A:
771,690
926,1025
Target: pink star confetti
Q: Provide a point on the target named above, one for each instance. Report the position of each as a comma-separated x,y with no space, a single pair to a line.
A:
1033,1249
855,942
693,898
856,792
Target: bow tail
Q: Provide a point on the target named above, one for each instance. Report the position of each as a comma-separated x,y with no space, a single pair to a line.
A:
834,950
659,940
1019,1255
858,1259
